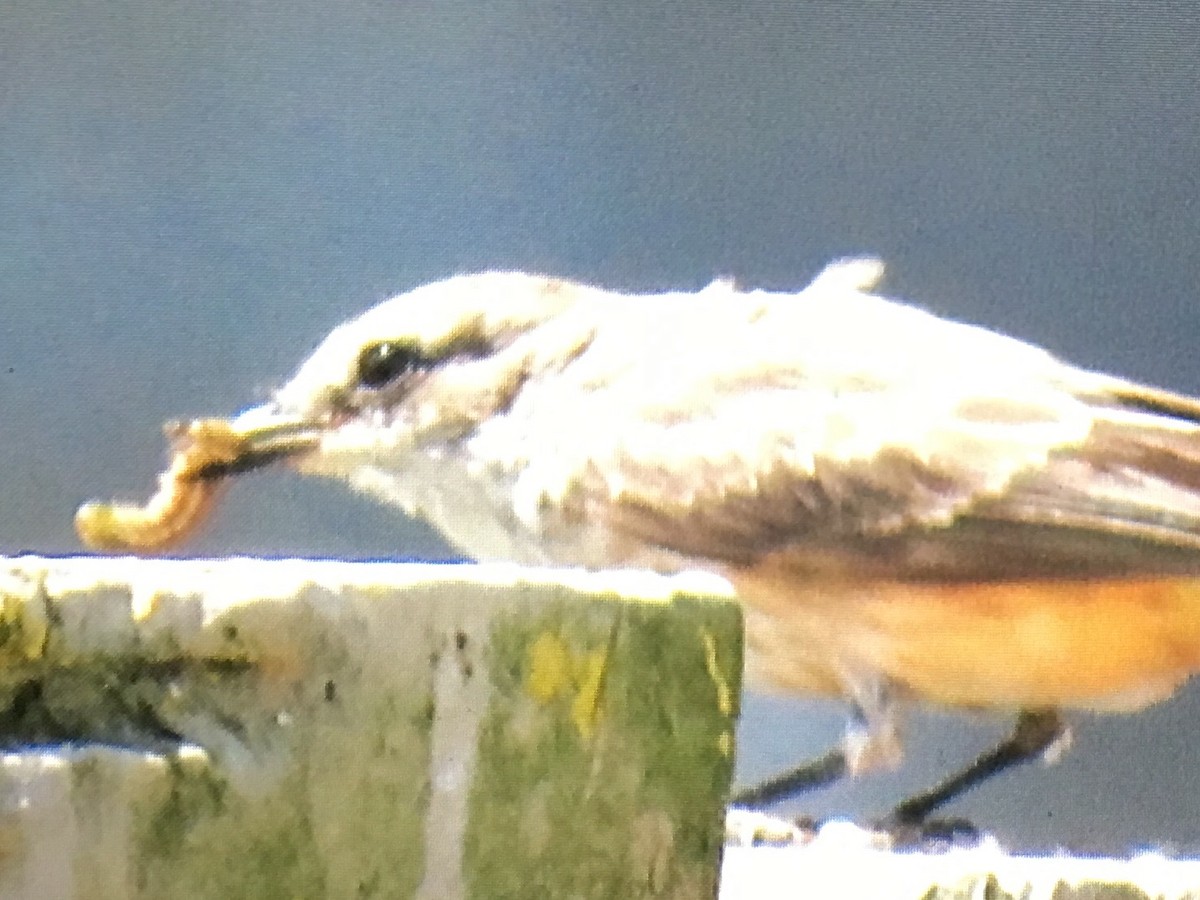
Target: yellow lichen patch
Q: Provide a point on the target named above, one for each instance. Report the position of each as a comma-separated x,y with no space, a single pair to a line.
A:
586,706
22,634
554,670
724,695
549,670
725,743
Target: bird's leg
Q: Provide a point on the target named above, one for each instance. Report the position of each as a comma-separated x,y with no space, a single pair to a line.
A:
816,773
1036,733
872,742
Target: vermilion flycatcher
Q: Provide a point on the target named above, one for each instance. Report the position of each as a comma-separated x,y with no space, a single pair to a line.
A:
909,508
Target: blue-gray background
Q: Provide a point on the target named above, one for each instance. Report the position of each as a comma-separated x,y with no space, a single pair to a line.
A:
192,194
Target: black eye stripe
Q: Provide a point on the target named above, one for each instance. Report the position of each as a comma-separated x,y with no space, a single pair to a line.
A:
382,363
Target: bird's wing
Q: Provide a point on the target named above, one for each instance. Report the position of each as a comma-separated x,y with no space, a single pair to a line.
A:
870,437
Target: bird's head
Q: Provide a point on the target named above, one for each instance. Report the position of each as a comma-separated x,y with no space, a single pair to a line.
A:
387,402
418,372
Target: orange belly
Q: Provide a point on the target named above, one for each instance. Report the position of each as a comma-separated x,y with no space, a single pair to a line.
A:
1104,644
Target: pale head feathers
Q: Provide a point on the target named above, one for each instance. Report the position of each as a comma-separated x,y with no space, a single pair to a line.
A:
487,307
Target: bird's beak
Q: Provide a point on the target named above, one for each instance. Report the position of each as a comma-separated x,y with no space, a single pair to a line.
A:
260,436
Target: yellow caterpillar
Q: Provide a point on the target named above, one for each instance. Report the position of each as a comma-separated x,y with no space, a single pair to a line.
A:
204,449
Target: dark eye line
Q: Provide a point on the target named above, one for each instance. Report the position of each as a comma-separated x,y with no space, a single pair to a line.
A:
386,362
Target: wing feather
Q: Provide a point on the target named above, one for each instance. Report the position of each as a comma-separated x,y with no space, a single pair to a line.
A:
852,432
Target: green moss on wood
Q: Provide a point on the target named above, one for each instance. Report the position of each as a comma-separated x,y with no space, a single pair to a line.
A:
605,756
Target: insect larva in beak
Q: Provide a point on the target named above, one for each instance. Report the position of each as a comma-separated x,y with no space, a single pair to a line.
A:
185,495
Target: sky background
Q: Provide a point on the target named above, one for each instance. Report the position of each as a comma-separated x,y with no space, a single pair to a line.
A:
191,195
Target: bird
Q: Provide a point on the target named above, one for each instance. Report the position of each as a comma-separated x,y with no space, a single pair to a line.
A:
910,510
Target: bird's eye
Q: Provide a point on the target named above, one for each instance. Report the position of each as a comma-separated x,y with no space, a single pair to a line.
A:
379,364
